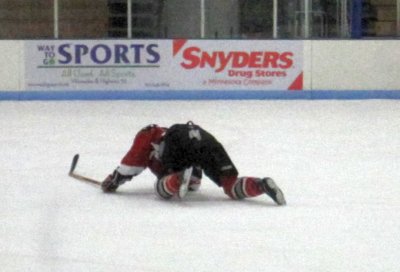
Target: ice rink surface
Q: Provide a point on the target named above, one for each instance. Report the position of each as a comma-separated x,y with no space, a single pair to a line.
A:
338,163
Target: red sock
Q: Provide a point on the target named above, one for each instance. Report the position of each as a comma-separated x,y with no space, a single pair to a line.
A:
239,188
168,186
172,183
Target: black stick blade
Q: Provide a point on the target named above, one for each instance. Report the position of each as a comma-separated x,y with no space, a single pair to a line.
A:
74,163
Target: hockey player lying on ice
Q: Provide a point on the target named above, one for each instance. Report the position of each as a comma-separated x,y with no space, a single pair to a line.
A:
170,152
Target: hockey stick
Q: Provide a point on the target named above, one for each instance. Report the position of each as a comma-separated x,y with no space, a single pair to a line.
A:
80,177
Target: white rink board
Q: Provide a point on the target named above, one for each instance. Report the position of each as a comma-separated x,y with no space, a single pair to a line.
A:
365,65
11,65
356,65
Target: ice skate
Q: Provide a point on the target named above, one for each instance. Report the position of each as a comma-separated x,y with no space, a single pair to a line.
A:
269,186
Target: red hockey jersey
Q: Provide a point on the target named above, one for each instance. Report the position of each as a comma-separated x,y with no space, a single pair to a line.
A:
145,152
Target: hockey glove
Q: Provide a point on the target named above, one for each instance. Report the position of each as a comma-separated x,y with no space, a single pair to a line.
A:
111,183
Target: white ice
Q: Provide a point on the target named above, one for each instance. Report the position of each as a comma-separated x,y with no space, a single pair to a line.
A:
338,163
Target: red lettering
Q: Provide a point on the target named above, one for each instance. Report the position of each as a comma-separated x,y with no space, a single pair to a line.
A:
240,59
286,60
255,60
206,58
190,55
271,59
194,57
224,60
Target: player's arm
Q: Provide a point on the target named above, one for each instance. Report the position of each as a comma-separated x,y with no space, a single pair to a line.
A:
133,163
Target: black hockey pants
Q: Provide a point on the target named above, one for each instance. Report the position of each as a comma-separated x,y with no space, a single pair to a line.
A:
189,145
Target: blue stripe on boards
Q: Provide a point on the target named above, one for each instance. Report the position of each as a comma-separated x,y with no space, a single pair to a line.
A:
195,95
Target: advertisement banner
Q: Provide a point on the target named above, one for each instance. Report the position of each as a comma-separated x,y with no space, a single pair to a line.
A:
95,64
239,64
163,65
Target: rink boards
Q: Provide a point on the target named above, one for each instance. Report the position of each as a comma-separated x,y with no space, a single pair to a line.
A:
199,69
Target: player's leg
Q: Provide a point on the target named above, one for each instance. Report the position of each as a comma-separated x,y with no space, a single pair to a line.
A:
179,153
195,179
218,166
213,159
244,187
239,188
168,185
